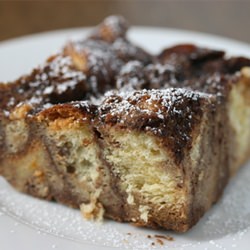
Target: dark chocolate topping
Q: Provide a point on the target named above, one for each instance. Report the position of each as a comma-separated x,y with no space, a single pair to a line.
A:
184,66
82,70
56,81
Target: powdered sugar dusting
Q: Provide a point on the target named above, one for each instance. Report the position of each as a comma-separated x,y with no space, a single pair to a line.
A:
47,83
149,102
102,60
171,114
60,76
131,76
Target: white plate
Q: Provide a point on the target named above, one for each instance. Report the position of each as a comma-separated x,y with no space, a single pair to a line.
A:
29,223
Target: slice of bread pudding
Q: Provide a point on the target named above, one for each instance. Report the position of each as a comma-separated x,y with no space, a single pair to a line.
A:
107,127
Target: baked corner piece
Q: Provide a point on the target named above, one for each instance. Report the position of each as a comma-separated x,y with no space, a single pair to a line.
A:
156,151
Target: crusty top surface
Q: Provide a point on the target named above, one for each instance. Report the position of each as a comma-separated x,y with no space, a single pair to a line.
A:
184,66
169,114
82,69
106,60
56,81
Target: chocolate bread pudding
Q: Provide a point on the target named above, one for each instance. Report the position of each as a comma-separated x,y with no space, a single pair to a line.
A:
107,127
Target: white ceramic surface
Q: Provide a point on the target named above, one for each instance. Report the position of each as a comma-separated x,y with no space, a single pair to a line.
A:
28,223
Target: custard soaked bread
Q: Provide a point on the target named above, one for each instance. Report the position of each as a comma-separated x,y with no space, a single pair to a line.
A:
157,150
